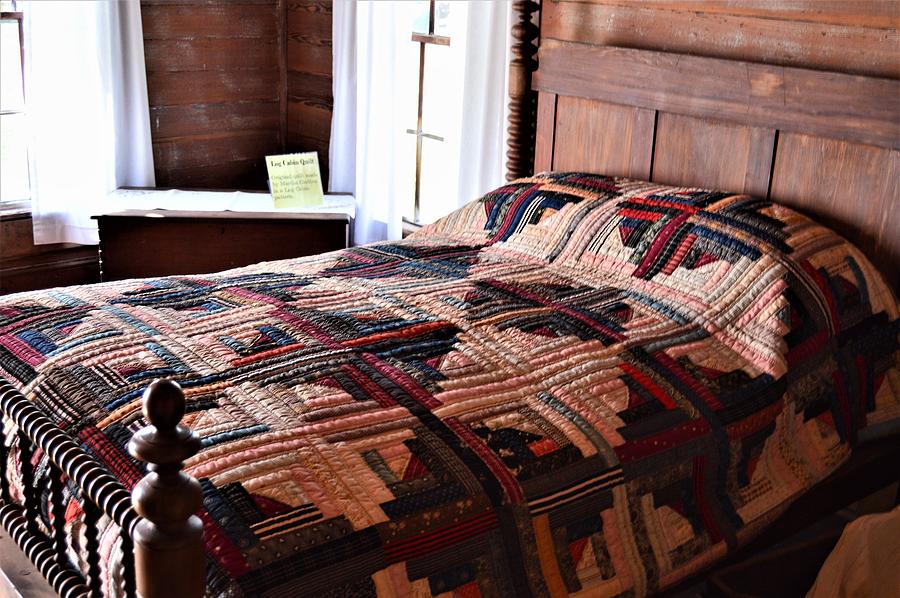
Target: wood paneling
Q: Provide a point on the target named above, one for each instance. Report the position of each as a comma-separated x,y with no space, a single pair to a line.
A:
309,58
600,137
214,54
213,148
210,87
546,132
215,90
852,37
187,22
309,78
229,82
882,14
310,87
25,266
309,119
243,174
863,109
167,122
698,152
852,188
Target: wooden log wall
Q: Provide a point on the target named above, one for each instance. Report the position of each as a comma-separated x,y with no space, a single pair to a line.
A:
309,68
232,81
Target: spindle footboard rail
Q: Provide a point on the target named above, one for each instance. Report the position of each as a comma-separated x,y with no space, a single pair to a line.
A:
161,537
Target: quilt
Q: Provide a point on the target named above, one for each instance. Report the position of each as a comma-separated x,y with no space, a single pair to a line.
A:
574,385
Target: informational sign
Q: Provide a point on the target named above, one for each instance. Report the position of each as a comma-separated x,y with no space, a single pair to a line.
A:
294,180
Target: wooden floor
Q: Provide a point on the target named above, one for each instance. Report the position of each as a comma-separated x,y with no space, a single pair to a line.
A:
18,577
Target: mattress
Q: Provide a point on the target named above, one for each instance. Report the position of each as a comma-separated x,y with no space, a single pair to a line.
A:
575,384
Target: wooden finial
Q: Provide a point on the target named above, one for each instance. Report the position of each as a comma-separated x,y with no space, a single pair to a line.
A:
522,99
168,542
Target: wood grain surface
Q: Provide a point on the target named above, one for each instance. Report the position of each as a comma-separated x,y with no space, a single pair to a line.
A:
697,152
601,137
852,188
214,89
854,37
862,109
230,82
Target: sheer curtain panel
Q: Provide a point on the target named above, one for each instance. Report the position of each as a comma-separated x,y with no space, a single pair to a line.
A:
376,70
86,99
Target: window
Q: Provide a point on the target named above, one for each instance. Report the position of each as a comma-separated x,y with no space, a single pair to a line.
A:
438,30
14,185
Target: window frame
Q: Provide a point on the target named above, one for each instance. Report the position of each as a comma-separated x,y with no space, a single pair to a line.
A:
16,207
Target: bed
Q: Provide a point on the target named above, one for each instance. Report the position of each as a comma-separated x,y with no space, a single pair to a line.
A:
577,384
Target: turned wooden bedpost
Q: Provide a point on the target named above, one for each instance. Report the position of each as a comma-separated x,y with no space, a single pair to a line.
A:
522,100
168,542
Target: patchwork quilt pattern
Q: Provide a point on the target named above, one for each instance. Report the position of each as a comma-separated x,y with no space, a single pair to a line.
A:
573,385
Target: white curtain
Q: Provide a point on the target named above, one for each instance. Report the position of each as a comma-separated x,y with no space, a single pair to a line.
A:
375,95
86,100
485,99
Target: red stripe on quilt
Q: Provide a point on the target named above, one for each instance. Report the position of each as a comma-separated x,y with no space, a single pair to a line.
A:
807,348
448,535
111,456
369,386
402,380
651,387
706,516
524,195
497,467
754,422
644,447
407,332
641,214
675,368
826,292
21,349
681,207
221,548
659,243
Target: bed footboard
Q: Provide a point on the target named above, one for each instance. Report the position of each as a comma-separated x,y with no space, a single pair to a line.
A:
165,530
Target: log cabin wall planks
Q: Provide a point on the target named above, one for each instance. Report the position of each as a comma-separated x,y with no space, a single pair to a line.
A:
749,128
229,82
309,81
213,86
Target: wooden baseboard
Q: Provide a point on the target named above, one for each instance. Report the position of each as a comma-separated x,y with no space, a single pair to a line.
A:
25,266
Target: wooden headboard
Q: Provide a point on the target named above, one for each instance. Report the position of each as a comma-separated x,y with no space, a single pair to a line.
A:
822,141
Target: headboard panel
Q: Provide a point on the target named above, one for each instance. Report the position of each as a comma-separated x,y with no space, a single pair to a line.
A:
823,142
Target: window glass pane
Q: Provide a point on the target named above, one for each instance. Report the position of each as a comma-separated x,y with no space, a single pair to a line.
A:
420,16
11,97
442,114
438,180
442,17
13,158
